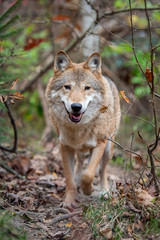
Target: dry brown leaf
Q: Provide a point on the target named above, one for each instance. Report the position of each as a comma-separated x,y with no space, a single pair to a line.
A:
124,96
3,98
144,197
106,231
148,75
84,225
132,207
130,230
103,109
21,163
16,95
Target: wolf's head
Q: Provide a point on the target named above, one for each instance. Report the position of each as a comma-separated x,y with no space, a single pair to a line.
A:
75,93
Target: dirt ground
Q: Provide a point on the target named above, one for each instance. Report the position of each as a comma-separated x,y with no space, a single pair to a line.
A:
36,201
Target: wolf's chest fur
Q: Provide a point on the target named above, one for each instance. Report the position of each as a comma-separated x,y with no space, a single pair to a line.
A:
81,139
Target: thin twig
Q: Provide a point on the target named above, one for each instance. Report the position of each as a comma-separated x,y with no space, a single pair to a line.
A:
153,170
156,95
153,146
14,148
63,217
8,169
133,46
124,148
128,10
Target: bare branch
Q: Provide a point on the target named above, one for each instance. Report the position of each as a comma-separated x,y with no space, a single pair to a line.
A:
63,217
156,95
133,47
14,148
10,170
124,148
128,10
153,170
153,146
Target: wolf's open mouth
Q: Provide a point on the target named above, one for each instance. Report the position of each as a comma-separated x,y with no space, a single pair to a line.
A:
75,117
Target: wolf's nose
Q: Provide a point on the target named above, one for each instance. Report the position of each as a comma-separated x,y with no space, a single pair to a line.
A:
76,107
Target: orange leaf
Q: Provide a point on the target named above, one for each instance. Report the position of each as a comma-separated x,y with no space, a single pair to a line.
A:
68,224
61,18
124,96
148,74
17,96
33,42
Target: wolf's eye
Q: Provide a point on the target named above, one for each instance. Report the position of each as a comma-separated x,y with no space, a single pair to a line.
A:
68,87
87,88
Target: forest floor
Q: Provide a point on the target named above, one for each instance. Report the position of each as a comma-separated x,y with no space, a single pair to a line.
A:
35,202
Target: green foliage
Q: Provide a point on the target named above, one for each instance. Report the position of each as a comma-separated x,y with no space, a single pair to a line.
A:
113,214
120,52
7,30
103,213
8,231
5,25
153,225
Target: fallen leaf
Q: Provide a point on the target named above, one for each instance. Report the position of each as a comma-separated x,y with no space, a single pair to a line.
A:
68,224
131,206
144,197
39,164
54,174
84,225
130,230
106,231
124,96
21,163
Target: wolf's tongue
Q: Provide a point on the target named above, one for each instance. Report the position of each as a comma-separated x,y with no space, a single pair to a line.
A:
76,116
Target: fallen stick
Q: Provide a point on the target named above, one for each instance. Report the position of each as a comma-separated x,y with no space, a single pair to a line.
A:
63,217
8,169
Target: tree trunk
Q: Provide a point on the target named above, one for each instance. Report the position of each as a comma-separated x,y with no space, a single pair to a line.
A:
90,43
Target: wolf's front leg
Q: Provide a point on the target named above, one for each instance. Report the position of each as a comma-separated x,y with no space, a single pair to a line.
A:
68,155
89,174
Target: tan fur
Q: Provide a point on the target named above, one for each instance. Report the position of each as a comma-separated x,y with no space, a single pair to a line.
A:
100,119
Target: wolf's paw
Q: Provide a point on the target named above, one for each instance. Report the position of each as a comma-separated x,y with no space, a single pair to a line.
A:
69,205
86,185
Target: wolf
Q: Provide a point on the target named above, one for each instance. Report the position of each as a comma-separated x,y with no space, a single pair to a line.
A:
85,110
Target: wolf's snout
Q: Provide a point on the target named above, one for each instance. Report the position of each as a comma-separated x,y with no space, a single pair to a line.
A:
76,107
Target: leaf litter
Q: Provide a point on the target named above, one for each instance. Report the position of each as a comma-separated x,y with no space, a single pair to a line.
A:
35,202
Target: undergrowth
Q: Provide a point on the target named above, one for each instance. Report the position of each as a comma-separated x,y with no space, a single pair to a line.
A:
117,218
8,231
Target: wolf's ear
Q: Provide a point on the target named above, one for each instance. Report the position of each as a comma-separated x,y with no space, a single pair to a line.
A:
94,62
62,61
